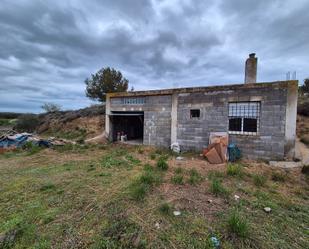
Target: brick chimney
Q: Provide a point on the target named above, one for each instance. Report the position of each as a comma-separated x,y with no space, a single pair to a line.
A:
251,69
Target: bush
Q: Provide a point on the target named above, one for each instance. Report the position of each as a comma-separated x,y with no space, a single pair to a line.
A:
234,170
259,180
217,188
162,164
27,123
177,179
195,177
238,225
51,107
278,177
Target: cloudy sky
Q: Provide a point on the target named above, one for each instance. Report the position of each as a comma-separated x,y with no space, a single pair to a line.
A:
48,48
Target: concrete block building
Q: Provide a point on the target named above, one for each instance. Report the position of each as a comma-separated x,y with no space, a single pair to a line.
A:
259,117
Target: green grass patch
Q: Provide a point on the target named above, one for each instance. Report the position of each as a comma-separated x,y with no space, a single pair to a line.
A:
162,164
165,209
234,170
48,187
238,225
259,180
212,174
194,177
217,188
177,179
178,170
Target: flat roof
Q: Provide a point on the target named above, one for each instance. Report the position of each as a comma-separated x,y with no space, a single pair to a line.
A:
276,84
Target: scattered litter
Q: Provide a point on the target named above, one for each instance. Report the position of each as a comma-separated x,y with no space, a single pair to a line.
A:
157,225
234,152
216,152
215,241
14,140
177,213
236,197
179,158
175,147
210,201
267,209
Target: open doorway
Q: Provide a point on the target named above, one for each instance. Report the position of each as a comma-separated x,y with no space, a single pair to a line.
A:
128,124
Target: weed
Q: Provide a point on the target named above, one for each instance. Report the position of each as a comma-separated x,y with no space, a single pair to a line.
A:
259,180
278,177
138,191
217,188
140,150
162,164
194,177
48,187
238,225
178,170
177,179
132,159
234,170
212,174
165,208
152,156
148,167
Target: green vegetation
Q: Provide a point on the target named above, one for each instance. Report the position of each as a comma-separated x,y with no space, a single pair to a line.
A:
194,177
234,170
113,196
162,164
217,188
259,180
278,176
238,225
177,179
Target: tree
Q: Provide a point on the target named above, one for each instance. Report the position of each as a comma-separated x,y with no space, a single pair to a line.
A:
305,87
106,80
51,107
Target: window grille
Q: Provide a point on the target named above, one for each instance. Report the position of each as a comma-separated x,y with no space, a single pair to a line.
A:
244,118
133,101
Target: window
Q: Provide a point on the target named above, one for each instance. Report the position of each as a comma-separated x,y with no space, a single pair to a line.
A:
133,101
244,118
194,113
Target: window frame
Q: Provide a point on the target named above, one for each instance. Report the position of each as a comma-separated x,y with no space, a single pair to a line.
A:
242,116
199,113
133,100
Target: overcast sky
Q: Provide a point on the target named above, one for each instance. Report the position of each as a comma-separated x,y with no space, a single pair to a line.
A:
48,48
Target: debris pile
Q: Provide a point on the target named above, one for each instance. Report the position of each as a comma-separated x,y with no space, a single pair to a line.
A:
13,140
216,152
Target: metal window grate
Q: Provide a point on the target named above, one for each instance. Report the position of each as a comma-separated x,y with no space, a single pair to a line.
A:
244,118
133,101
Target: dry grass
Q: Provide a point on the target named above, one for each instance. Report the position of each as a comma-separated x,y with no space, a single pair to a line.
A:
80,198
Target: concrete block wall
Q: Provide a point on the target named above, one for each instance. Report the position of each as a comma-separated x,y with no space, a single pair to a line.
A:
157,118
193,134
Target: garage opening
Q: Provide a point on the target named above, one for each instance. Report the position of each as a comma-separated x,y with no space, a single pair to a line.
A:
128,126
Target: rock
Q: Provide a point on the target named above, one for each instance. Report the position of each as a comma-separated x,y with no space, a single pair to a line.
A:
267,209
236,197
177,213
157,225
210,201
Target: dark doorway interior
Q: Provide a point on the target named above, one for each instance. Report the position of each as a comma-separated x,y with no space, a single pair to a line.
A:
128,123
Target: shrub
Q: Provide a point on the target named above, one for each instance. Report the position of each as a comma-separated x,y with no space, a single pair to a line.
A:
238,225
27,123
51,107
217,188
152,156
177,179
195,177
278,177
259,180
162,164
234,170
165,209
